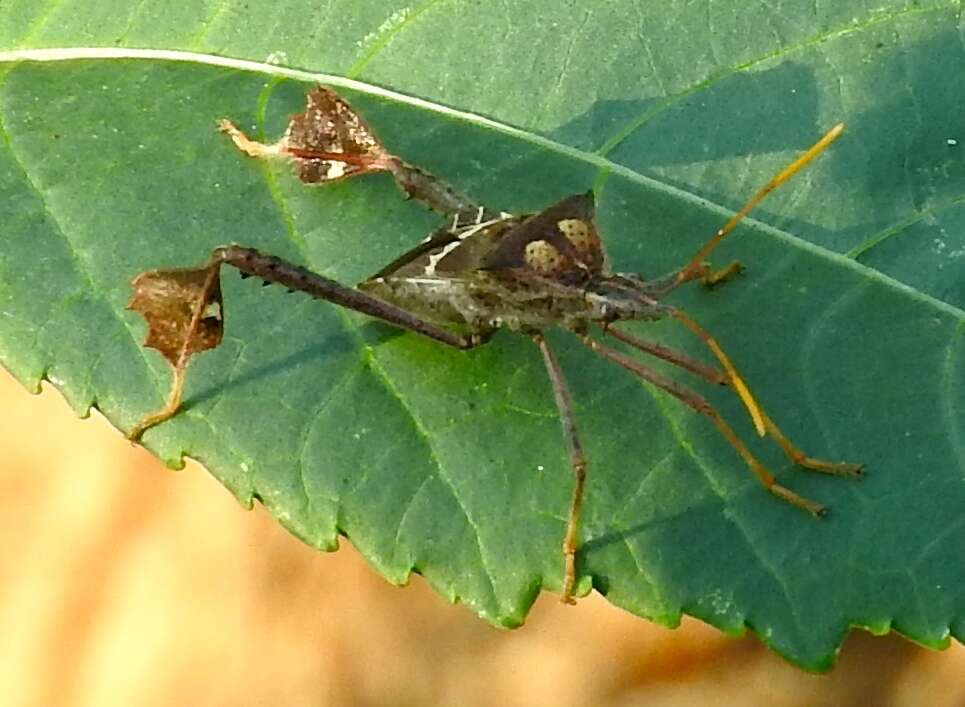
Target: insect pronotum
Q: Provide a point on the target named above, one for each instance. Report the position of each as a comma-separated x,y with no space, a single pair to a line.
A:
482,270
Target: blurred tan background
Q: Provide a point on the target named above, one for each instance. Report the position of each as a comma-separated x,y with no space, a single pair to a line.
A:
124,583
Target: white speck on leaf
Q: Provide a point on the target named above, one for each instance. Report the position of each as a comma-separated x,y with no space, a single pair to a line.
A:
723,604
393,21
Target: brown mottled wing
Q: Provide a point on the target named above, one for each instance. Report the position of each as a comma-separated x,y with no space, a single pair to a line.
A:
415,260
560,243
448,252
331,141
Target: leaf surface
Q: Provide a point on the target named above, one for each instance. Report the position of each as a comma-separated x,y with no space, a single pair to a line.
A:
451,463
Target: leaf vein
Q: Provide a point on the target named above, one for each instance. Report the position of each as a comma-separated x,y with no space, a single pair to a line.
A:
945,389
715,487
103,53
39,22
82,266
208,23
408,507
386,37
904,224
809,345
634,124
440,469
380,374
311,419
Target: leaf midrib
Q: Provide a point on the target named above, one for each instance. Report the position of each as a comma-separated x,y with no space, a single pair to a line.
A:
604,164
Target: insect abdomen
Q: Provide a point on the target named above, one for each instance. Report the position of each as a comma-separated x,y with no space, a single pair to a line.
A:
478,302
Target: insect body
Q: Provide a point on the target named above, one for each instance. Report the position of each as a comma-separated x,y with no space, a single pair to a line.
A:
482,271
524,274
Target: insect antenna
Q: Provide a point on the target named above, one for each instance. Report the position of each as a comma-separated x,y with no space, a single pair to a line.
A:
692,269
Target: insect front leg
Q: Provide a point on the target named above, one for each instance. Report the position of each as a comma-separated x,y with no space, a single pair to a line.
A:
668,354
564,404
710,277
763,423
699,404
720,378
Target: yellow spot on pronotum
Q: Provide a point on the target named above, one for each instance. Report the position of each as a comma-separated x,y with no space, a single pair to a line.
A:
576,232
542,256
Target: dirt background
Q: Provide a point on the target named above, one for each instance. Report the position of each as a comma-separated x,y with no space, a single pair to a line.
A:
124,583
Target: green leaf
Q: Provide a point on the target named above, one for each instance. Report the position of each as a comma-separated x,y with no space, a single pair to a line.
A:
848,324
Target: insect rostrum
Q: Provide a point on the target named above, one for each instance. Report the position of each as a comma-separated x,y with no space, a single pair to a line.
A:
481,270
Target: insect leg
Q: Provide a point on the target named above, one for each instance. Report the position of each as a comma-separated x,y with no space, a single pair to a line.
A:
696,402
165,412
180,364
275,270
711,277
578,460
764,424
659,287
803,460
668,354
295,277
736,382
